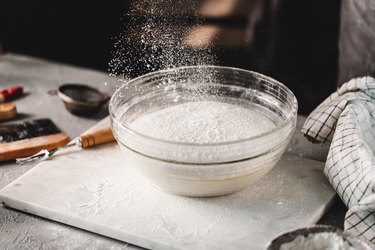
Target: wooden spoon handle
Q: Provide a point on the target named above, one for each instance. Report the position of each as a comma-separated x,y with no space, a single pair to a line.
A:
96,138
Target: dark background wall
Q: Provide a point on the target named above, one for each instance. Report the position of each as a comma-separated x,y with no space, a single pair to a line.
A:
76,32
294,41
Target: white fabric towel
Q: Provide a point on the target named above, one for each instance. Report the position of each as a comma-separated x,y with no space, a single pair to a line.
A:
347,120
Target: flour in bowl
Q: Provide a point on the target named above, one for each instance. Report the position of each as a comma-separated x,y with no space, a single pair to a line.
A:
203,122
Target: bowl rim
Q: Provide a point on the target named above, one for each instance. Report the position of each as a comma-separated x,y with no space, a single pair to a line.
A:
291,117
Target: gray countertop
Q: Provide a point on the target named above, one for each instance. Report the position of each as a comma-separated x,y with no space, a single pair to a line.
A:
19,230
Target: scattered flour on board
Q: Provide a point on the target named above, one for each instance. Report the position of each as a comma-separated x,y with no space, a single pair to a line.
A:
203,122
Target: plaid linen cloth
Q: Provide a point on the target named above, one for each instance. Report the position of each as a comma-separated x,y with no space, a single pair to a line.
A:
347,120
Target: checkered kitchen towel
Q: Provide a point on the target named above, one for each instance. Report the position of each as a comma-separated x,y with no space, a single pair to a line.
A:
347,120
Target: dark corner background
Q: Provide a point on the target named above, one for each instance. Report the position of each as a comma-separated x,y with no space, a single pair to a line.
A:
75,32
294,41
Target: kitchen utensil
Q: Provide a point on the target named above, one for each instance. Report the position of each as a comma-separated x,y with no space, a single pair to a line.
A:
29,137
84,141
80,99
209,169
7,111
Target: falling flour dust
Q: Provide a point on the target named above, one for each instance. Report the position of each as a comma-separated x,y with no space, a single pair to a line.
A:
155,36
203,122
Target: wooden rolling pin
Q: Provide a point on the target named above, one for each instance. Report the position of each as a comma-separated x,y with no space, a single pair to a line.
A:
84,141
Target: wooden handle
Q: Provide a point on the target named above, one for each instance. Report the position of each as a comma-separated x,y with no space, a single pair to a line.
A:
96,138
27,147
7,111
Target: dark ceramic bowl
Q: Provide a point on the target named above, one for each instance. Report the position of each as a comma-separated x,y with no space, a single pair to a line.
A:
353,241
80,99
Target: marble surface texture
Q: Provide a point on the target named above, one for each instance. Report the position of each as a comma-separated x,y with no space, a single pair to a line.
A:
97,190
19,230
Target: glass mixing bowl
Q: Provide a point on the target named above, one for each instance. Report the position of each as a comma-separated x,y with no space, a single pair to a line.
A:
206,169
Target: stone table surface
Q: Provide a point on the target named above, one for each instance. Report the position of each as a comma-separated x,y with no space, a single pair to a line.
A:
24,231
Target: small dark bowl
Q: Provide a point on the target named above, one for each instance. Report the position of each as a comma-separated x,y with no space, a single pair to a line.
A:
353,241
80,99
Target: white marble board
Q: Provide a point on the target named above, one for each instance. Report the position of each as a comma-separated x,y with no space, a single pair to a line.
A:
96,190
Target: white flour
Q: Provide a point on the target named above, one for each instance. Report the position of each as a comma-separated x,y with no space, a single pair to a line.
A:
203,122
153,41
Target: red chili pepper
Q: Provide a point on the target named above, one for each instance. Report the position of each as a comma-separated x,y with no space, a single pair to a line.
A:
11,93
